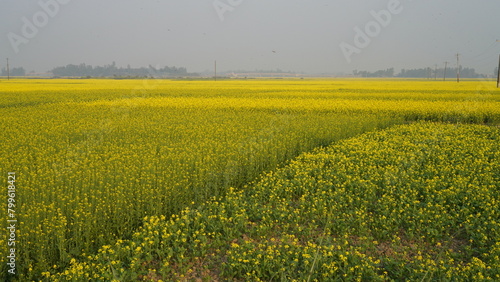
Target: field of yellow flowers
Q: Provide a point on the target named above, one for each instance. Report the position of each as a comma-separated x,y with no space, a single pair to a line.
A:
415,202
152,180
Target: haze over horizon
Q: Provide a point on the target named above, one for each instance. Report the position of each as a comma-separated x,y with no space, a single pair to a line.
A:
292,35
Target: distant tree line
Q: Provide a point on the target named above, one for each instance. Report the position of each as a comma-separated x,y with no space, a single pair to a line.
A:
421,73
379,73
83,70
14,72
439,73
278,70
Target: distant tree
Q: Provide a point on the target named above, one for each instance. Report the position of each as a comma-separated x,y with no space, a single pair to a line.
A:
14,72
18,71
379,73
430,73
83,70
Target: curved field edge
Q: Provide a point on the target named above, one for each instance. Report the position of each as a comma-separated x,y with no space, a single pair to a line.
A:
413,202
81,191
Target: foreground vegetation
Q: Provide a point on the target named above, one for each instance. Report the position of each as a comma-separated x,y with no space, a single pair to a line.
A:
416,202
94,157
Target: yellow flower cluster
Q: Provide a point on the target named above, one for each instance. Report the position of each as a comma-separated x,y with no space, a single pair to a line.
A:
94,157
414,202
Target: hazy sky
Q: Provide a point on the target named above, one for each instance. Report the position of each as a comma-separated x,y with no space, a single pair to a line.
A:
292,35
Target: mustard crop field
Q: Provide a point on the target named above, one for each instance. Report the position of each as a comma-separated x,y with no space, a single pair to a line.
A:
248,180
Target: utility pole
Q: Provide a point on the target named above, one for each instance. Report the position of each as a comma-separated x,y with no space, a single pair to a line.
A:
498,75
8,71
458,67
445,67
215,70
435,72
